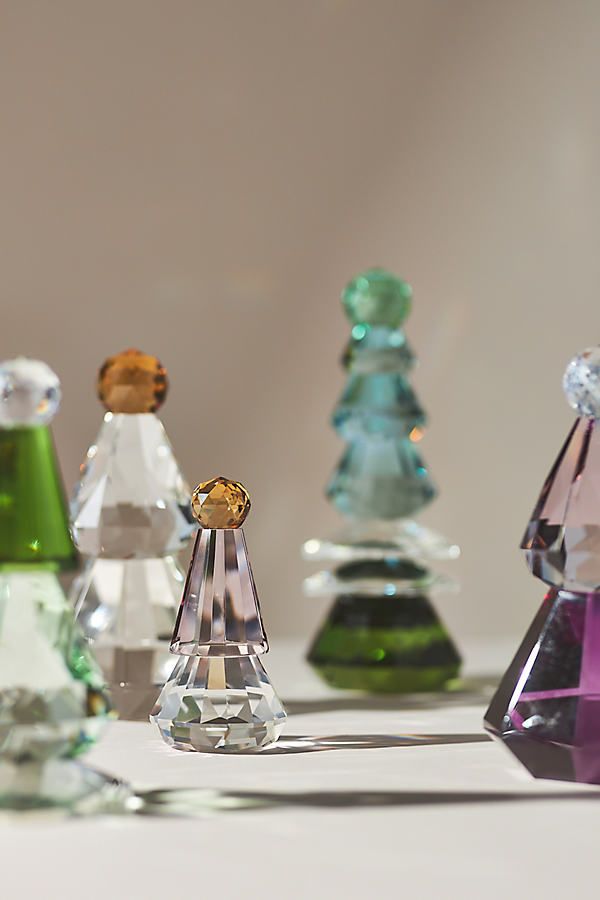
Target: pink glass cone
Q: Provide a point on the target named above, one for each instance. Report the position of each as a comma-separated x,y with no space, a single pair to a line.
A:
219,613
547,707
562,541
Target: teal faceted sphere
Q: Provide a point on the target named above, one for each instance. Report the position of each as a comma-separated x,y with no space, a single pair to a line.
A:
376,297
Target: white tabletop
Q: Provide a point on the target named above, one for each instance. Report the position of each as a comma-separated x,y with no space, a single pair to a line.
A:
380,799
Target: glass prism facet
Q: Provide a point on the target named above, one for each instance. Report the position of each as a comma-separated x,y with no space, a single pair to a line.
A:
377,403
219,613
34,523
380,478
132,500
562,541
380,644
127,608
219,703
546,710
52,699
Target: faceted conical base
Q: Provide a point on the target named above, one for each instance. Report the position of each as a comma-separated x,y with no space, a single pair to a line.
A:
380,478
547,707
127,608
383,644
225,704
132,500
60,784
34,522
52,700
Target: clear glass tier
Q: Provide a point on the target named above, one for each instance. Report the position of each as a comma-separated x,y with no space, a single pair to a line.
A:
127,608
374,539
132,500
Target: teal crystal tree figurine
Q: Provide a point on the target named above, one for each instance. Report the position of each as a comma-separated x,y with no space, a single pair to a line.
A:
547,708
219,696
52,699
130,517
382,633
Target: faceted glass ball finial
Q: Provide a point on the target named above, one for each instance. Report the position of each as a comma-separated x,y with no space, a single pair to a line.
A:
29,393
377,297
581,382
132,382
220,503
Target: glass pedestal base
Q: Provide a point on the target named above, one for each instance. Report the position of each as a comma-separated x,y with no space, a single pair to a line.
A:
385,645
219,704
60,784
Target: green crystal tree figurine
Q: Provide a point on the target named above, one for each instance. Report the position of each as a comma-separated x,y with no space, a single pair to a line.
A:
382,633
52,699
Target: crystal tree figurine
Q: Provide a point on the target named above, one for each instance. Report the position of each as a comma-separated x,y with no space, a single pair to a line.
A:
52,700
130,516
547,707
382,633
219,696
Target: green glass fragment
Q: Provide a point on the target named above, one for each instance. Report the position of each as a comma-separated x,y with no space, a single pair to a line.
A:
34,522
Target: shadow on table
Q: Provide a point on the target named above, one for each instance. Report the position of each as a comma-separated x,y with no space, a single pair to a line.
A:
307,744
200,802
472,691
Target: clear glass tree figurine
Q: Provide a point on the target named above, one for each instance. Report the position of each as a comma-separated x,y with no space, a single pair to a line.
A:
382,633
219,696
130,517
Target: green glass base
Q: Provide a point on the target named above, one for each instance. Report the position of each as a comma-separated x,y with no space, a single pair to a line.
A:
385,644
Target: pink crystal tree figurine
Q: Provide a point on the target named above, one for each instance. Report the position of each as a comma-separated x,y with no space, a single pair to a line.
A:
547,707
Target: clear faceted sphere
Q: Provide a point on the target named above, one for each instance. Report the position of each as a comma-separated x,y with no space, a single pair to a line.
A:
29,393
581,382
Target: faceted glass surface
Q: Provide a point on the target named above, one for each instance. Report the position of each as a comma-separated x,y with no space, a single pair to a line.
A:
377,297
581,382
29,393
378,349
364,540
132,382
378,403
220,503
34,522
219,613
547,707
562,541
376,578
380,644
127,608
132,500
380,479
52,700
224,704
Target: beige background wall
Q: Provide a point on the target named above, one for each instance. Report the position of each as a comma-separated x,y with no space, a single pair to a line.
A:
201,178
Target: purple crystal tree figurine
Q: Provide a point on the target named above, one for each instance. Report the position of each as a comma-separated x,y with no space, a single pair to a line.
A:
547,707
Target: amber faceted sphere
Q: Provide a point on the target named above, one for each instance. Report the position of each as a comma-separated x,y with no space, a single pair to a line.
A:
220,503
132,382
